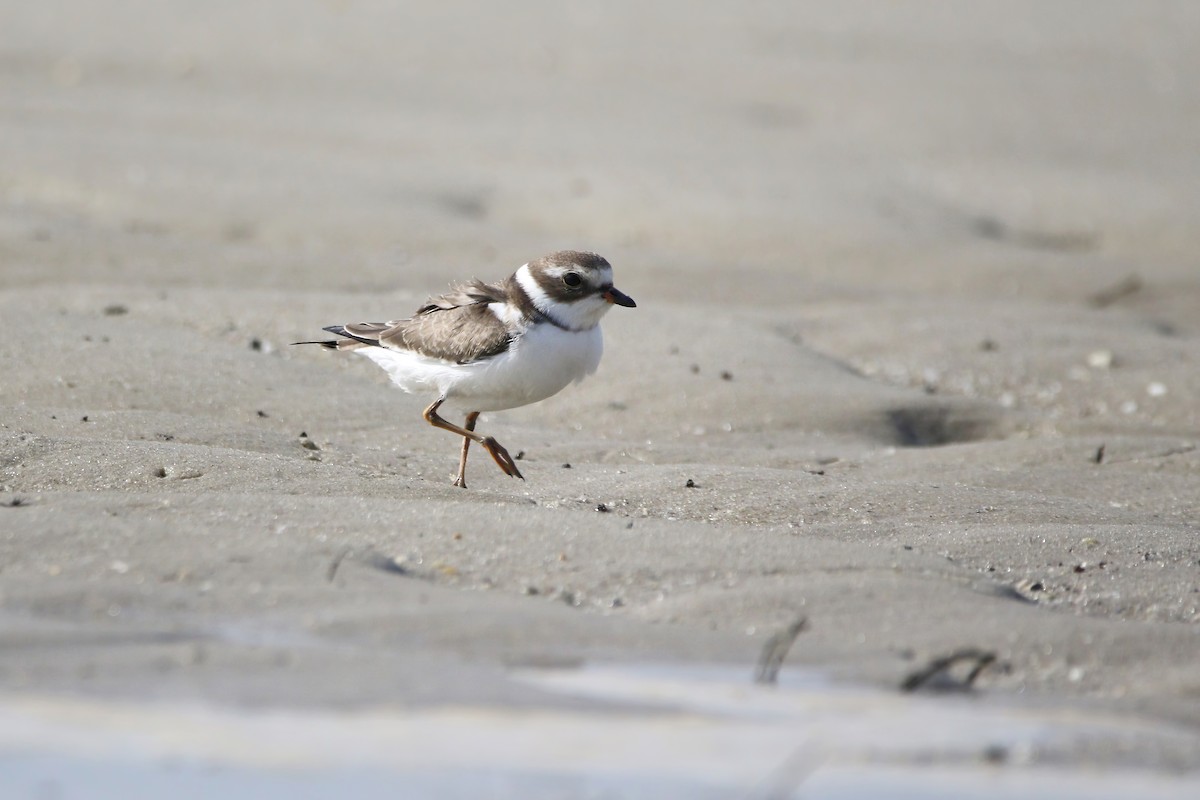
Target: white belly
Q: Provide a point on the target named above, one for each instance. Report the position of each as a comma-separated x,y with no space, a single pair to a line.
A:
537,365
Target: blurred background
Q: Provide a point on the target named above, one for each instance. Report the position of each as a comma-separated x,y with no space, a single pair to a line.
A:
768,152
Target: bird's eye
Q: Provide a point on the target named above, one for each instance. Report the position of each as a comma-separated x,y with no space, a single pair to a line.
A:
572,279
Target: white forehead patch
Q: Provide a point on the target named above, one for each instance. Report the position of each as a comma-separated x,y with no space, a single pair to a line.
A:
596,277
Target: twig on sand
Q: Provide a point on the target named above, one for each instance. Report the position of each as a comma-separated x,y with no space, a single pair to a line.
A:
938,667
1105,297
331,573
775,650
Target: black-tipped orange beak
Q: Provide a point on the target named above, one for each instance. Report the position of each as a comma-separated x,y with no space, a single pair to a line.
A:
613,295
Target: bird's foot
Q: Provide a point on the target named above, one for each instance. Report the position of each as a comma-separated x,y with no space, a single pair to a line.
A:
502,458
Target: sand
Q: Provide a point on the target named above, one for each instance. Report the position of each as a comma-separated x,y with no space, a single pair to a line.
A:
916,352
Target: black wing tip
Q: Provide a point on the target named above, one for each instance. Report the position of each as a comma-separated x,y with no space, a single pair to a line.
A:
340,330
332,344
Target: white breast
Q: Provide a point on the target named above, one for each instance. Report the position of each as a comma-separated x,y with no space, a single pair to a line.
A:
539,363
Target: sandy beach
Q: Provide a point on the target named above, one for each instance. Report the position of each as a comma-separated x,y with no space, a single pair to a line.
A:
916,357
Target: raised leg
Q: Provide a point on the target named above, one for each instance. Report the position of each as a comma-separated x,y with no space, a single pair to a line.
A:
461,480
494,448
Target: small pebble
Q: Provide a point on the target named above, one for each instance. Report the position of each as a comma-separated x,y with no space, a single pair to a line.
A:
1156,389
995,754
603,509
1100,359
691,484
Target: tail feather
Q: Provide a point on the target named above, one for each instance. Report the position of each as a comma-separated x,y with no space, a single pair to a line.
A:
350,342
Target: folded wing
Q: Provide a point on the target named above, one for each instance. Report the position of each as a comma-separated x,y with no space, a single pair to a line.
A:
458,326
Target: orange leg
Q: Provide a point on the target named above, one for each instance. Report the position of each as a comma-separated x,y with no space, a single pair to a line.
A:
494,448
461,480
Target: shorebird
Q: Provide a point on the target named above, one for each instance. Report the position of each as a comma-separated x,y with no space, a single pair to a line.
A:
493,346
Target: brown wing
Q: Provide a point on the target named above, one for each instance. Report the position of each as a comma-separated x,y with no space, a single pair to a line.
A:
457,326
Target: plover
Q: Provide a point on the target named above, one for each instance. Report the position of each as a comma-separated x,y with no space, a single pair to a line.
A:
492,346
